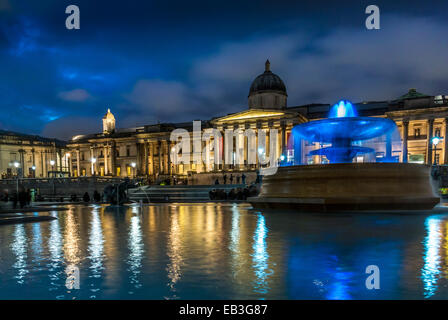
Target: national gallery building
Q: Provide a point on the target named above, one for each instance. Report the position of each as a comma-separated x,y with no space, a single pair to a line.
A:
29,156
147,150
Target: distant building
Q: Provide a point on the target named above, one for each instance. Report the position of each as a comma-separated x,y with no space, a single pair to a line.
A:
146,150
29,156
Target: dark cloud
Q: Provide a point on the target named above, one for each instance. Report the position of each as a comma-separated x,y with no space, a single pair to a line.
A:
75,95
67,127
178,61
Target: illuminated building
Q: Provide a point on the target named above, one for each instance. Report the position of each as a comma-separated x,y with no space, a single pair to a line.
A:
146,150
28,156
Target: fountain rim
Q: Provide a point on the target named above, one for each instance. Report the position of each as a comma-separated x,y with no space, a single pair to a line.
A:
339,122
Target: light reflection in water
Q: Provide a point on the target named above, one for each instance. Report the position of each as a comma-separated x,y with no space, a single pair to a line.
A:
96,242
235,239
235,231
55,247
339,287
174,252
72,251
19,248
431,269
55,240
260,257
136,250
190,251
37,241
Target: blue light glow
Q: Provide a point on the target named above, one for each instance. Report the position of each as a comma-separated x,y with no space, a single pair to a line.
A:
343,109
346,132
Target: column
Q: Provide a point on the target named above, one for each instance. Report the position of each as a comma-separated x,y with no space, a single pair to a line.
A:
46,164
151,158
138,160
405,140
160,153
34,163
113,155
145,160
78,173
106,167
430,126
91,162
283,145
70,164
445,142
166,160
42,164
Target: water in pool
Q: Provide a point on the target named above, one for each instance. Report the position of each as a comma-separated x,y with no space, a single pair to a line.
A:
223,251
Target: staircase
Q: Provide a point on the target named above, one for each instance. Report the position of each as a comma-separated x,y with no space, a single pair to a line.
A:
179,193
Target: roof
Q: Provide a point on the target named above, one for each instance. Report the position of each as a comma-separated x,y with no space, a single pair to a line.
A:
267,81
29,137
412,94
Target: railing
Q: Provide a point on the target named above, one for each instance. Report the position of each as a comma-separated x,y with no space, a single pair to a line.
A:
63,180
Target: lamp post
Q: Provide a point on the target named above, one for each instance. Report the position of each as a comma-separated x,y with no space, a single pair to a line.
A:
133,165
68,163
17,165
52,165
435,141
260,156
93,160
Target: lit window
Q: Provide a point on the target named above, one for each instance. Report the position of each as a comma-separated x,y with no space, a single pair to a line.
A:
417,132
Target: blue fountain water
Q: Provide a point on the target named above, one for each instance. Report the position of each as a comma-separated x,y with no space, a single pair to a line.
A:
342,128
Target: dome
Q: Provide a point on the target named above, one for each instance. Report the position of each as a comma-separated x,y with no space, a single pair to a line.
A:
267,81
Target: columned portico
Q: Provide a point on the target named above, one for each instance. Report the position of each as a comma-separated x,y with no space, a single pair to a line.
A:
405,140
430,129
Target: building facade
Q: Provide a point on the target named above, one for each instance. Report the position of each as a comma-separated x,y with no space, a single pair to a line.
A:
27,156
149,151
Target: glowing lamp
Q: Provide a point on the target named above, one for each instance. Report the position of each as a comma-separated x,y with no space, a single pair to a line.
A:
436,140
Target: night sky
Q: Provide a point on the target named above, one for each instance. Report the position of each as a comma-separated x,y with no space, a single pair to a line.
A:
173,61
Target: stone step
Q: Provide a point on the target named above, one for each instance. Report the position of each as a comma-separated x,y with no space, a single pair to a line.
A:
176,193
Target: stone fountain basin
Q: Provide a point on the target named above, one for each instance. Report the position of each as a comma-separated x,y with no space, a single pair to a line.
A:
348,187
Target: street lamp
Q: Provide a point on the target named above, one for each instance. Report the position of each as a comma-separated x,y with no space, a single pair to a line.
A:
133,165
68,164
93,160
52,166
435,141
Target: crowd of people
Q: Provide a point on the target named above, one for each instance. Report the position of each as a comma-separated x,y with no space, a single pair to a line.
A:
21,198
234,194
237,179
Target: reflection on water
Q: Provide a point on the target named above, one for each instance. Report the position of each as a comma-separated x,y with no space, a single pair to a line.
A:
223,251
260,256
96,244
174,252
136,250
431,269
20,251
55,249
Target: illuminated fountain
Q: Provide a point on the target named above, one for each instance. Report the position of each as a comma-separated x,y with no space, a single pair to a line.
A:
357,168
